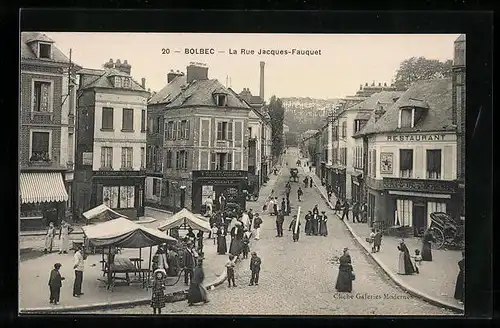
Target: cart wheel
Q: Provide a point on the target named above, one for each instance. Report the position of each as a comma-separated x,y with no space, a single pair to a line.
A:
438,238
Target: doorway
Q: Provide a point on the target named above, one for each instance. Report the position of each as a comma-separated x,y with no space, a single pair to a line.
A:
419,219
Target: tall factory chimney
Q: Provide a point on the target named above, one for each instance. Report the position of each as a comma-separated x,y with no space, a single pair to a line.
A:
261,93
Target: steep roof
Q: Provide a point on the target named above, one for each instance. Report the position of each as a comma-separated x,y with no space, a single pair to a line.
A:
27,53
169,92
258,112
384,97
201,93
434,94
104,82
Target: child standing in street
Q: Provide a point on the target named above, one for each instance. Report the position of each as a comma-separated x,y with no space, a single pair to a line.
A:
55,283
214,233
418,260
230,271
158,291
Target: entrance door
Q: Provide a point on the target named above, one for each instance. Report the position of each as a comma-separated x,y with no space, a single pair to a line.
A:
419,219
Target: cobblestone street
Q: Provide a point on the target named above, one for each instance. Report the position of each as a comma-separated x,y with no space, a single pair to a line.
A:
298,278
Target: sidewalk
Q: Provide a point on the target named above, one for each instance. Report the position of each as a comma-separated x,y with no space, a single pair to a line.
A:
436,281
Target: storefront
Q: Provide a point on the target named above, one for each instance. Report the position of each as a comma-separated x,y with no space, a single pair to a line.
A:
339,182
43,199
121,191
212,183
357,194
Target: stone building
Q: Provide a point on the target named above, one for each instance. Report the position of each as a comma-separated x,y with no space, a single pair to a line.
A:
111,144
46,141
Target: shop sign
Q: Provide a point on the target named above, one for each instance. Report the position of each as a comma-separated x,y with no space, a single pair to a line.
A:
417,137
419,185
220,174
221,182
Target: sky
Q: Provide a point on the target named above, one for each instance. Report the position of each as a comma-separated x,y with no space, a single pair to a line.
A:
334,65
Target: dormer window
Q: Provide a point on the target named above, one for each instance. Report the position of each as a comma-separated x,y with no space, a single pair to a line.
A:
118,82
221,99
44,50
406,117
126,82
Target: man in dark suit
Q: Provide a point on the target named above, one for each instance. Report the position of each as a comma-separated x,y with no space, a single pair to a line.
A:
280,218
189,263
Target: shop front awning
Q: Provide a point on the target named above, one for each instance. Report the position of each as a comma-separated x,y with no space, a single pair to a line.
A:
42,187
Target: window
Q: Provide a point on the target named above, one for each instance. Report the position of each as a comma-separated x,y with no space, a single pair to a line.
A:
157,187
158,165
127,157
126,82
169,130
374,163
127,197
106,157
42,95
107,118
143,157
169,159
405,163
143,120
118,82
434,164
128,119
406,118
404,213
221,99
44,50
359,125
434,207
222,161
111,194
224,131
149,157
344,129
40,146
369,166
158,125
150,124
174,130
184,130
181,160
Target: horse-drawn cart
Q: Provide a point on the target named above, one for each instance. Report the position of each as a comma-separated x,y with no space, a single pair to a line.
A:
447,232
294,175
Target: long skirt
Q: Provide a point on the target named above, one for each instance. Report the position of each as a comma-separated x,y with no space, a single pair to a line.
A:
405,266
235,247
426,251
323,229
221,245
344,281
196,293
64,243
308,227
315,227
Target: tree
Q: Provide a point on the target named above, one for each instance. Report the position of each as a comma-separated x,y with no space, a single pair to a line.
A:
291,139
416,69
277,113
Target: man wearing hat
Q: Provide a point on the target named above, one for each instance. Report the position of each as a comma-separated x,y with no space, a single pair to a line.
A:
55,283
255,263
295,235
189,263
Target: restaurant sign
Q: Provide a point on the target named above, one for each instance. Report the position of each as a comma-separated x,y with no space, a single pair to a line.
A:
417,137
207,174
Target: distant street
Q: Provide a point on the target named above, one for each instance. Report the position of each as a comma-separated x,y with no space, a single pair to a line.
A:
298,278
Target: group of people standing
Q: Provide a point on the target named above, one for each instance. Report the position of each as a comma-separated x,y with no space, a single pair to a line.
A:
316,223
64,230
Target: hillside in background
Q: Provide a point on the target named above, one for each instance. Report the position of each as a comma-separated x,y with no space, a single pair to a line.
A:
302,114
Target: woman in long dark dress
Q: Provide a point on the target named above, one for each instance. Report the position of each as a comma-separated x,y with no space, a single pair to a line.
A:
236,239
460,284
345,277
405,265
426,247
323,228
308,227
197,292
221,241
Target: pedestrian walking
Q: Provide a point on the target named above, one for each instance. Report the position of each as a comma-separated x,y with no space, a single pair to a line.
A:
306,182
345,210
288,208
323,227
346,273
255,263
338,206
230,271
323,181
49,238
276,206
295,235
256,225
158,298
64,232
364,213
78,266
279,224
197,293
377,241
283,205
189,261
299,194
427,238
308,219
355,213
460,283
405,266
55,284
199,238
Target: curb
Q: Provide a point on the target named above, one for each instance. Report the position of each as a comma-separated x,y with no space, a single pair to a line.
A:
157,209
43,233
412,291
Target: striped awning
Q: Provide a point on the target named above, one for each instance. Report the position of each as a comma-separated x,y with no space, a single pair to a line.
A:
42,188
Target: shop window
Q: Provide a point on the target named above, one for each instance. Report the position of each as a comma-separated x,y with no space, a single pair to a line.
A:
107,118
434,164
127,197
405,163
127,157
107,157
42,95
110,193
434,207
40,146
404,213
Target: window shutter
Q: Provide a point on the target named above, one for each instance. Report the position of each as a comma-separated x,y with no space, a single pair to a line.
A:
179,130
437,161
219,131
230,131
103,157
229,165
213,160
174,130
374,162
177,159
188,132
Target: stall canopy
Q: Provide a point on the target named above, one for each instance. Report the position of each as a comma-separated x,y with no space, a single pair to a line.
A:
42,187
102,212
185,217
125,234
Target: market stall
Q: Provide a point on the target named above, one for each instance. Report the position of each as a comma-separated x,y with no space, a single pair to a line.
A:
123,233
184,219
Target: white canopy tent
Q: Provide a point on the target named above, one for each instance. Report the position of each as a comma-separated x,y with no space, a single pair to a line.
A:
185,217
102,213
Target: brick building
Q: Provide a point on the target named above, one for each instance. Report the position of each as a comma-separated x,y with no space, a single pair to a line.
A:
201,141
46,131
111,145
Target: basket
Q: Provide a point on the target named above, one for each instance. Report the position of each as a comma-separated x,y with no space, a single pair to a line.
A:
369,240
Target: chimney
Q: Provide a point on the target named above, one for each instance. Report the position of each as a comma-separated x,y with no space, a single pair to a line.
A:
379,84
360,87
261,92
125,67
143,83
109,64
366,84
172,75
196,71
118,64
385,84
